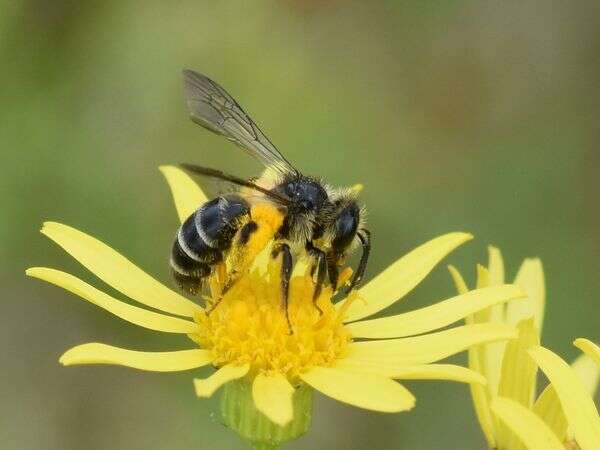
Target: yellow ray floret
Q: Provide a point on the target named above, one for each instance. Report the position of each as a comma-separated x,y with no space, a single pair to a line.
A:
589,348
435,316
403,275
430,347
207,386
576,402
138,316
360,389
188,196
527,426
117,271
272,395
95,353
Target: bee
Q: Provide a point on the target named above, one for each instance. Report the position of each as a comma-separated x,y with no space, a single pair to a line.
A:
316,220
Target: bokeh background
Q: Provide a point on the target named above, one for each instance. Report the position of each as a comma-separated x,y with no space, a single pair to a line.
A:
478,116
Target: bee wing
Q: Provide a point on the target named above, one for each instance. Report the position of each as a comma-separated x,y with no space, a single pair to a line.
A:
215,187
216,183
213,108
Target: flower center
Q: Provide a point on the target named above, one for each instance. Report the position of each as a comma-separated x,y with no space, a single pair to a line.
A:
249,325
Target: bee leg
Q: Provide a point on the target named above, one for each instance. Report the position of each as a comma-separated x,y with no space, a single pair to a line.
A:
228,284
320,266
365,240
286,273
212,307
240,258
332,270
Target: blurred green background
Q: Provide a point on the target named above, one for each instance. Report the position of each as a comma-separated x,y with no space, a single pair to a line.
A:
477,116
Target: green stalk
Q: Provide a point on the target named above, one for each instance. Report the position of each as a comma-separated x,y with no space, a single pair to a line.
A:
239,413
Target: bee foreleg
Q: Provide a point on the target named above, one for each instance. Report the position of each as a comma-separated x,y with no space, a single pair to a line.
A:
286,274
365,240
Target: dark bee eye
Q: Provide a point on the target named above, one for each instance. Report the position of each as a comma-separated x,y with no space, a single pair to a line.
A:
290,189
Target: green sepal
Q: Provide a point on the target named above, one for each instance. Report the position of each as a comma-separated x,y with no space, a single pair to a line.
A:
239,414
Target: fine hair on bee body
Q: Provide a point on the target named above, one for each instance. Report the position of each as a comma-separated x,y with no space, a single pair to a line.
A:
300,215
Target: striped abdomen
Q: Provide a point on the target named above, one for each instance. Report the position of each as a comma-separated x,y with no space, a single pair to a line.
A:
203,238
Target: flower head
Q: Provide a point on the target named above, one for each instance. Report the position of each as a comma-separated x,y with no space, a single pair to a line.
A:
247,327
510,415
246,335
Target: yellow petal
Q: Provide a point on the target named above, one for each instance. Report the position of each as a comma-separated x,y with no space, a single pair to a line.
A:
367,391
479,393
588,371
492,354
576,402
495,266
402,276
187,194
95,353
208,386
517,381
459,281
481,398
430,347
138,316
589,348
547,407
529,428
483,277
435,316
117,271
483,281
272,396
476,355
447,372
531,278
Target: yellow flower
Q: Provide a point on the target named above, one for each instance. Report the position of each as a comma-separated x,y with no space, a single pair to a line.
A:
509,414
564,416
246,337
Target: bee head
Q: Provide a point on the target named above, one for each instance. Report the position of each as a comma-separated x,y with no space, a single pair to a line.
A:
306,194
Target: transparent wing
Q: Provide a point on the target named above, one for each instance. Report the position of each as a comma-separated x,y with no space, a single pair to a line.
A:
215,183
213,108
215,187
